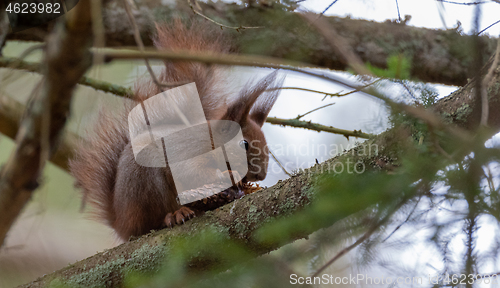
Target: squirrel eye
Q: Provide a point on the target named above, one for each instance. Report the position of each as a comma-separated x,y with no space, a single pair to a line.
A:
244,144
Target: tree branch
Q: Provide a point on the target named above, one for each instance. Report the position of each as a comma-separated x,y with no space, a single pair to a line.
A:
4,29
317,127
46,115
14,63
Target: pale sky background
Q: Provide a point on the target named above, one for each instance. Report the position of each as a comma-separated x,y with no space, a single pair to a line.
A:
425,13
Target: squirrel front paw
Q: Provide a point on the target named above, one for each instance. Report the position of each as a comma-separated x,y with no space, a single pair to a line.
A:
179,217
231,173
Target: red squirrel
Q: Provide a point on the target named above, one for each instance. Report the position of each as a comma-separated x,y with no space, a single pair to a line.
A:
134,199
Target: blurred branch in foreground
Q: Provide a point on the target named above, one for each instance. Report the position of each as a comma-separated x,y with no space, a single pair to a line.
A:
46,115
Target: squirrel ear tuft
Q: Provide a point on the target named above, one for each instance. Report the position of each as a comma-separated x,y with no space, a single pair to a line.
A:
266,101
240,110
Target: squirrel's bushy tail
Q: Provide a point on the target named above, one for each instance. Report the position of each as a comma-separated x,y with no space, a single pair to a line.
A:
211,83
95,163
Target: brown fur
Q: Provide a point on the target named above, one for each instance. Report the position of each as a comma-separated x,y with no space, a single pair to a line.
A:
133,199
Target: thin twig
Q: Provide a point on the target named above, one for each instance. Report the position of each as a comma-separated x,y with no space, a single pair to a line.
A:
402,82
399,15
15,63
441,9
317,127
365,236
489,76
326,9
339,94
307,90
347,249
316,109
18,63
139,42
462,3
279,163
225,26
107,87
406,220
489,178
220,24
31,49
481,32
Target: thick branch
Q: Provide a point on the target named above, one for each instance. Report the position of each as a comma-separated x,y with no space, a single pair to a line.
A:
437,56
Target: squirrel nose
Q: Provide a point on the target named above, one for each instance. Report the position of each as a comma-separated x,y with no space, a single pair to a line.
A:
261,176
252,176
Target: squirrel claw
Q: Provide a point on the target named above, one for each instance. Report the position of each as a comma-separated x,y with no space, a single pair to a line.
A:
169,220
179,217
